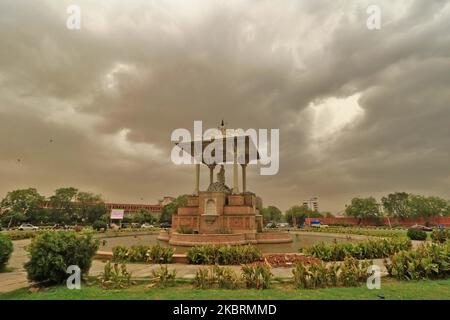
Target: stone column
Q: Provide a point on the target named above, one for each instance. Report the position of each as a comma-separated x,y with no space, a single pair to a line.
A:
244,178
235,172
211,173
197,179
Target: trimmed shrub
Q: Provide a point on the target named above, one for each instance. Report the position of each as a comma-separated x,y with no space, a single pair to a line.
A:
6,248
151,254
163,277
225,278
52,252
224,255
257,276
440,235
416,234
429,261
350,273
115,277
204,278
369,249
160,254
99,224
20,235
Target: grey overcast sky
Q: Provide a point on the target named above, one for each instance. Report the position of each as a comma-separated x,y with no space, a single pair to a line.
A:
360,112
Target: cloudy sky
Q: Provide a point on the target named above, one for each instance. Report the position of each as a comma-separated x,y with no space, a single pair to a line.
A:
360,112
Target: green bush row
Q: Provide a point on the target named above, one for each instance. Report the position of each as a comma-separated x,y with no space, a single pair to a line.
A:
151,254
223,255
350,273
368,249
253,276
357,231
6,249
429,261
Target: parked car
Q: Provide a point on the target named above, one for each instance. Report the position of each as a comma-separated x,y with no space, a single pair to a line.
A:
60,226
271,225
283,225
147,226
165,225
318,224
420,227
27,227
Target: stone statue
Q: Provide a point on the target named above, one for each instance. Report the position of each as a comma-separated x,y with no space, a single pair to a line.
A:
221,175
219,185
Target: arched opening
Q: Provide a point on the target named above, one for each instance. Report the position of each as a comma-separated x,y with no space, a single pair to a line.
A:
210,207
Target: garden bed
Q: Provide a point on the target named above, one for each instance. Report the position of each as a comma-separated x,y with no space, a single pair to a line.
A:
276,260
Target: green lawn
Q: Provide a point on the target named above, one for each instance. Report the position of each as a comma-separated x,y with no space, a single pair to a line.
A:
391,289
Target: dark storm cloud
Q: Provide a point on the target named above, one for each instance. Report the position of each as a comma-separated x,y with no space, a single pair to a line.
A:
111,93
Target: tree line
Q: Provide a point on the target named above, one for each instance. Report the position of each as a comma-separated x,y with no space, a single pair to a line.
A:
401,205
66,206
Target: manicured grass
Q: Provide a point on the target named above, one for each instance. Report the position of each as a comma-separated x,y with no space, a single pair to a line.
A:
391,289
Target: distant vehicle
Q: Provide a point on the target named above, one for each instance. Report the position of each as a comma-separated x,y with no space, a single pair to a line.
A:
27,227
283,225
60,226
165,225
420,227
318,224
271,225
147,226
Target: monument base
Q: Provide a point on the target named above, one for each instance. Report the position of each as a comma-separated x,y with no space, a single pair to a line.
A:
190,240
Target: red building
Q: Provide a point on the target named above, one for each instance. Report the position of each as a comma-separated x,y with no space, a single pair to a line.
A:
132,208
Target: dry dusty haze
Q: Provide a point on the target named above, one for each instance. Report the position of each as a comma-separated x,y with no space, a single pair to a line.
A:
360,112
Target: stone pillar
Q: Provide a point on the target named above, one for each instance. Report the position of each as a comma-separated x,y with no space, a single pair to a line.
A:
211,173
197,179
244,178
235,172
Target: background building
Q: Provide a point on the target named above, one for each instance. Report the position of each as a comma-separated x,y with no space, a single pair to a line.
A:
312,204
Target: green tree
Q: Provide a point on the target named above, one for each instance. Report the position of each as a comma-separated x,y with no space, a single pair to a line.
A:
426,207
300,213
172,208
363,208
271,213
22,205
63,206
144,216
90,207
397,205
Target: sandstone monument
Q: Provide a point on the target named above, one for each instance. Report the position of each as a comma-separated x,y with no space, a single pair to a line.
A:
220,214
